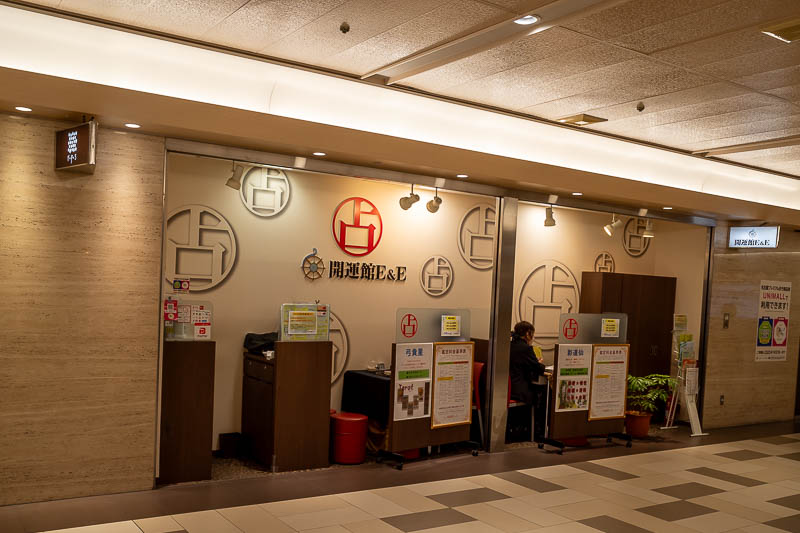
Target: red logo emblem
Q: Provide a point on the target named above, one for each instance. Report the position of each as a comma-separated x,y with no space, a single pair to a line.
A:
570,328
357,226
408,325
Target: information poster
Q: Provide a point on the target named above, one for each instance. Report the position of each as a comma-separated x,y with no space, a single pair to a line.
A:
609,381
610,327
572,382
302,322
412,380
201,318
452,378
305,322
774,302
451,326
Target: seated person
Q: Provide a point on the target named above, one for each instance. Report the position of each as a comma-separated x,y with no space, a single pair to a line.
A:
525,368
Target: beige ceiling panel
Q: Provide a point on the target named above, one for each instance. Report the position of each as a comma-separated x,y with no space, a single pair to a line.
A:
317,42
774,155
718,19
719,48
774,79
784,56
733,141
519,6
636,15
448,22
696,132
507,56
259,23
791,93
188,18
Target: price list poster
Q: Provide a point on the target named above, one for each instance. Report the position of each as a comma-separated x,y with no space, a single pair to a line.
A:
452,389
609,381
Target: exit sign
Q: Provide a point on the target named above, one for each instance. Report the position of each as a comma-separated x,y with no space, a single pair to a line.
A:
75,148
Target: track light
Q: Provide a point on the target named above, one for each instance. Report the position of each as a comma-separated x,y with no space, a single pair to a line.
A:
435,202
235,181
549,221
610,228
408,201
648,230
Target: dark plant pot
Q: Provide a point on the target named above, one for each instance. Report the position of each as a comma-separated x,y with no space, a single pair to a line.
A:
637,425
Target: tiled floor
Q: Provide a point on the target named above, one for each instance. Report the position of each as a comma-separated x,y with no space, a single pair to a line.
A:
750,486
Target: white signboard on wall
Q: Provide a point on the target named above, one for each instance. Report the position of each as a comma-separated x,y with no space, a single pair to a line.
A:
750,237
774,303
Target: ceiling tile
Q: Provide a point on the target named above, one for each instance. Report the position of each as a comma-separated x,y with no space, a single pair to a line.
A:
764,61
519,6
775,155
447,22
696,131
259,23
718,48
774,79
733,141
790,93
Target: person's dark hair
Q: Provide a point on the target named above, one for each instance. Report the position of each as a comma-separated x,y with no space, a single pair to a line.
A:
522,328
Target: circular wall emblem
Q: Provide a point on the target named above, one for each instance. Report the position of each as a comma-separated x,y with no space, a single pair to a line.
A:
632,239
604,262
341,348
570,328
409,325
265,191
357,226
200,247
436,275
476,233
549,291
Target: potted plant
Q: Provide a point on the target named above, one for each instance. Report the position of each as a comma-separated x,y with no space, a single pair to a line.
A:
644,396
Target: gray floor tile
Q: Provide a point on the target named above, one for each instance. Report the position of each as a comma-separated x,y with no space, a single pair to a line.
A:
742,455
794,456
427,519
530,482
676,510
687,491
467,497
601,470
724,476
790,523
612,525
777,440
792,502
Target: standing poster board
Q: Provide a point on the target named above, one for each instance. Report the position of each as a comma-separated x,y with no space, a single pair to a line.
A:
452,384
572,381
412,380
774,303
609,381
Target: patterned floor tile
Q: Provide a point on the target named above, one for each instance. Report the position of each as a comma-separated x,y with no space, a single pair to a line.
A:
636,492
416,503
789,523
497,518
526,511
618,498
601,470
793,501
655,481
559,497
547,472
304,505
427,520
725,476
687,476
743,455
374,504
612,525
529,482
759,528
579,480
571,527
205,522
793,456
440,487
766,492
331,517
729,507
716,522
686,491
777,440
160,524
674,511
501,485
116,527
587,509
254,519
370,526
467,527
761,505
467,497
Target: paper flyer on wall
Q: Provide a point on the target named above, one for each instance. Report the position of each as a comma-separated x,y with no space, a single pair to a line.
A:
609,381
452,389
572,382
413,366
774,303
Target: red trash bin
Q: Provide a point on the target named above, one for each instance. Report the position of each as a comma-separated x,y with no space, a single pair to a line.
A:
349,438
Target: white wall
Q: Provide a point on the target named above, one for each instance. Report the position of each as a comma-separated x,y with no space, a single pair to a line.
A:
267,270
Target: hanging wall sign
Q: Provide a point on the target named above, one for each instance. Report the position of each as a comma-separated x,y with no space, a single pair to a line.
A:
366,271
760,237
774,303
357,226
76,147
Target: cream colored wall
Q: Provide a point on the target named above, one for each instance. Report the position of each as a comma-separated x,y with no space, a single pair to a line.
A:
578,237
80,257
267,271
754,392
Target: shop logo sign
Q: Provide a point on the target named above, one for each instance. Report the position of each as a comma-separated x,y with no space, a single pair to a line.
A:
632,240
754,237
570,328
476,236
604,262
201,247
436,275
549,291
409,325
265,191
341,347
357,226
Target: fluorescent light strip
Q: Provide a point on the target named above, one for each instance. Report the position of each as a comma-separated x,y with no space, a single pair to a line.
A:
60,47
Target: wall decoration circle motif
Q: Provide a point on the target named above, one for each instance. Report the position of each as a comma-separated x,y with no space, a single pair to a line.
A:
604,262
436,275
200,246
476,236
632,240
265,191
357,226
549,290
341,347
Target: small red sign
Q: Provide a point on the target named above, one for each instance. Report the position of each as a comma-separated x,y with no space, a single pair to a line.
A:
570,328
408,325
170,310
357,226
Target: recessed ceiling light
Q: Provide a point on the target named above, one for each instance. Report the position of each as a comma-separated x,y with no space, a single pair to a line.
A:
462,175
23,108
582,120
668,208
787,31
132,125
577,194
527,20
320,154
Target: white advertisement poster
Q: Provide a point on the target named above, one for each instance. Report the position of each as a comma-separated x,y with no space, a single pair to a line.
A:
609,381
452,388
572,382
774,302
412,378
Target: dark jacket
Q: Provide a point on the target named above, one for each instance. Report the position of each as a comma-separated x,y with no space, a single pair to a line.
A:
523,370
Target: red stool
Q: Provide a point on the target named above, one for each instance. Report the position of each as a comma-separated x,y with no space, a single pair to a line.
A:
349,438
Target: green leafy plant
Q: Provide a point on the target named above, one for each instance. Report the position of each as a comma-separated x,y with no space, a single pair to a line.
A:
646,393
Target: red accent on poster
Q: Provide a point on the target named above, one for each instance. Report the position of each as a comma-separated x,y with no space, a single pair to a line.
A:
170,310
570,328
408,325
